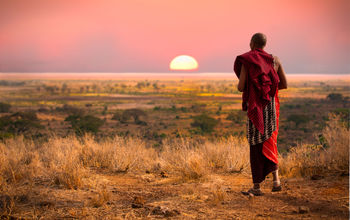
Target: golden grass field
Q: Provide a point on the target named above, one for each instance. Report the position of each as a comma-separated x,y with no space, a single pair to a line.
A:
122,178
129,170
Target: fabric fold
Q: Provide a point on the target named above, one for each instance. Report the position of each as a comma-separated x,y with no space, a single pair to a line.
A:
261,84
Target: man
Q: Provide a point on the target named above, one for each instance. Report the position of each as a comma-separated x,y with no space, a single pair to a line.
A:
260,77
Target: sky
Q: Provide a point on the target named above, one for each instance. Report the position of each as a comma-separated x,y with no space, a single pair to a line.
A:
309,36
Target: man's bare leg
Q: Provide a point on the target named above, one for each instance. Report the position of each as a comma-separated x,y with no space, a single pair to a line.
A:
276,182
276,179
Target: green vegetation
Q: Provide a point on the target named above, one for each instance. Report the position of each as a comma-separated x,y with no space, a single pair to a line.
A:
298,119
25,123
237,117
83,124
135,114
335,97
154,109
204,122
4,107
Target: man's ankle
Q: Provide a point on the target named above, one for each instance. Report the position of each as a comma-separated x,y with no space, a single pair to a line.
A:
276,182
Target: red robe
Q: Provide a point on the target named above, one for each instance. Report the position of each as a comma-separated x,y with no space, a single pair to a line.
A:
261,84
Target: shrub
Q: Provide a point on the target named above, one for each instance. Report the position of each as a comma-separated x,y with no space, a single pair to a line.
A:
20,123
344,114
117,116
204,122
156,108
198,107
82,124
134,113
236,117
4,107
335,97
306,160
298,119
70,110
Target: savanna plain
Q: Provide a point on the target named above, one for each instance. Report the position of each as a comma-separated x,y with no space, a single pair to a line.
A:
139,146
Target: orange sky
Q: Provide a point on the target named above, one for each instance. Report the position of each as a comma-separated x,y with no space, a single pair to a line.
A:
145,35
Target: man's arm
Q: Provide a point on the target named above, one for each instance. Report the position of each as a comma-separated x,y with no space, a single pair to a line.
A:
283,79
242,79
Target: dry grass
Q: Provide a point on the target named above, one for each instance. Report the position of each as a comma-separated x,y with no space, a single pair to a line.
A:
102,197
18,161
118,154
67,161
306,160
218,195
194,161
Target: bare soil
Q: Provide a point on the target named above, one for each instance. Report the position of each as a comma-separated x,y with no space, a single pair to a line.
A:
157,196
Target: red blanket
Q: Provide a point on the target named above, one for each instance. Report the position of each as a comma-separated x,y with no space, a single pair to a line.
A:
261,84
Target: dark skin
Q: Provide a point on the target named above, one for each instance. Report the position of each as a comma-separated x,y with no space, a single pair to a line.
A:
281,85
278,67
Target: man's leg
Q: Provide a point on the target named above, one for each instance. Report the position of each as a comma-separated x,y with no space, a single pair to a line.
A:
276,179
256,164
276,182
256,185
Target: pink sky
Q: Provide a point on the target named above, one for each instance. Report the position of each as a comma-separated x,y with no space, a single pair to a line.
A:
309,36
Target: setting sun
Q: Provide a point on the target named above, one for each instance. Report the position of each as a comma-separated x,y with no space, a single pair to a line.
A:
183,62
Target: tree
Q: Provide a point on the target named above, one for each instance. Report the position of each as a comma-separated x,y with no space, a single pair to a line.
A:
335,97
64,88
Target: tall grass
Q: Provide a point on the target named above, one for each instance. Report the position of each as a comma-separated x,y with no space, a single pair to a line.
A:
194,160
67,162
19,161
306,159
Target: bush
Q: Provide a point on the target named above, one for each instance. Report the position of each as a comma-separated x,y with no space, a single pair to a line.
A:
204,122
117,116
19,123
344,114
134,113
83,124
4,107
236,117
70,110
298,119
331,155
198,107
156,108
335,97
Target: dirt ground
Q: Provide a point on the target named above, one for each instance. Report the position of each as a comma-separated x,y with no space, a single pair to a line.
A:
157,196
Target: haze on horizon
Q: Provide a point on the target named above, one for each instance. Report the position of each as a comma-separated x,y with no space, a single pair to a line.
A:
309,36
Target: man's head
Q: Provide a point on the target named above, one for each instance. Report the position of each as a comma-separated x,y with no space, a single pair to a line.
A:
258,41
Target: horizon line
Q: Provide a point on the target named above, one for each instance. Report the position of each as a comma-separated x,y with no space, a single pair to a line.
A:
180,72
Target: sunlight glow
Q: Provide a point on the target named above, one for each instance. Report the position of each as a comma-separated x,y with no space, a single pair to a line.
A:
183,62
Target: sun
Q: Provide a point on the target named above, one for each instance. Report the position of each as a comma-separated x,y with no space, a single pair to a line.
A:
184,62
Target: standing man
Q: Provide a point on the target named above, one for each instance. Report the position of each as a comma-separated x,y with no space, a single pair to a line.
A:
260,77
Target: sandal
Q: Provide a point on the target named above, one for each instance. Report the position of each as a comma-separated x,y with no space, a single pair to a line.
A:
276,188
255,192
